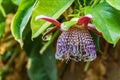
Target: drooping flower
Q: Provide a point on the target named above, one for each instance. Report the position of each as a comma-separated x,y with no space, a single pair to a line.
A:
75,43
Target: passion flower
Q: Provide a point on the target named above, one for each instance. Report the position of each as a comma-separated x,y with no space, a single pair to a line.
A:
75,43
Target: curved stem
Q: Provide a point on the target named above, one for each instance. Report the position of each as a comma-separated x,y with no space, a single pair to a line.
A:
84,3
95,3
87,66
49,42
48,32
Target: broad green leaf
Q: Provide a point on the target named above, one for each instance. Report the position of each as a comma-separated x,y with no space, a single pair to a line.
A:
105,19
51,8
1,1
40,67
114,3
21,18
2,27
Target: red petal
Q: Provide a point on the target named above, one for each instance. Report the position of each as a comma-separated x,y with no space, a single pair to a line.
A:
53,21
84,20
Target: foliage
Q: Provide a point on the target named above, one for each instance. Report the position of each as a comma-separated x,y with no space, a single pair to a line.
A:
106,21
27,31
40,67
2,25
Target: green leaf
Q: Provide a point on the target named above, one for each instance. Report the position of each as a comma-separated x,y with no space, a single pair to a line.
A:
114,3
1,1
1,17
105,19
2,28
8,6
96,40
40,67
2,10
21,18
17,2
51,8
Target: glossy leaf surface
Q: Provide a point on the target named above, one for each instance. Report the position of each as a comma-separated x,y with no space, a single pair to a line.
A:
21,18
114,3
105,19
40,67
51,8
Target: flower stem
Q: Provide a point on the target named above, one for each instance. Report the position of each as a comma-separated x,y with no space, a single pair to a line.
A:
95,3
87,66
5,68
12,58
0,77
48,32
84,3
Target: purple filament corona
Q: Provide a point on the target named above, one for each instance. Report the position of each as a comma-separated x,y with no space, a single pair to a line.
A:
76,44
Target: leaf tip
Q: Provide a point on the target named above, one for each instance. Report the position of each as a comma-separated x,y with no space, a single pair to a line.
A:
21,42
